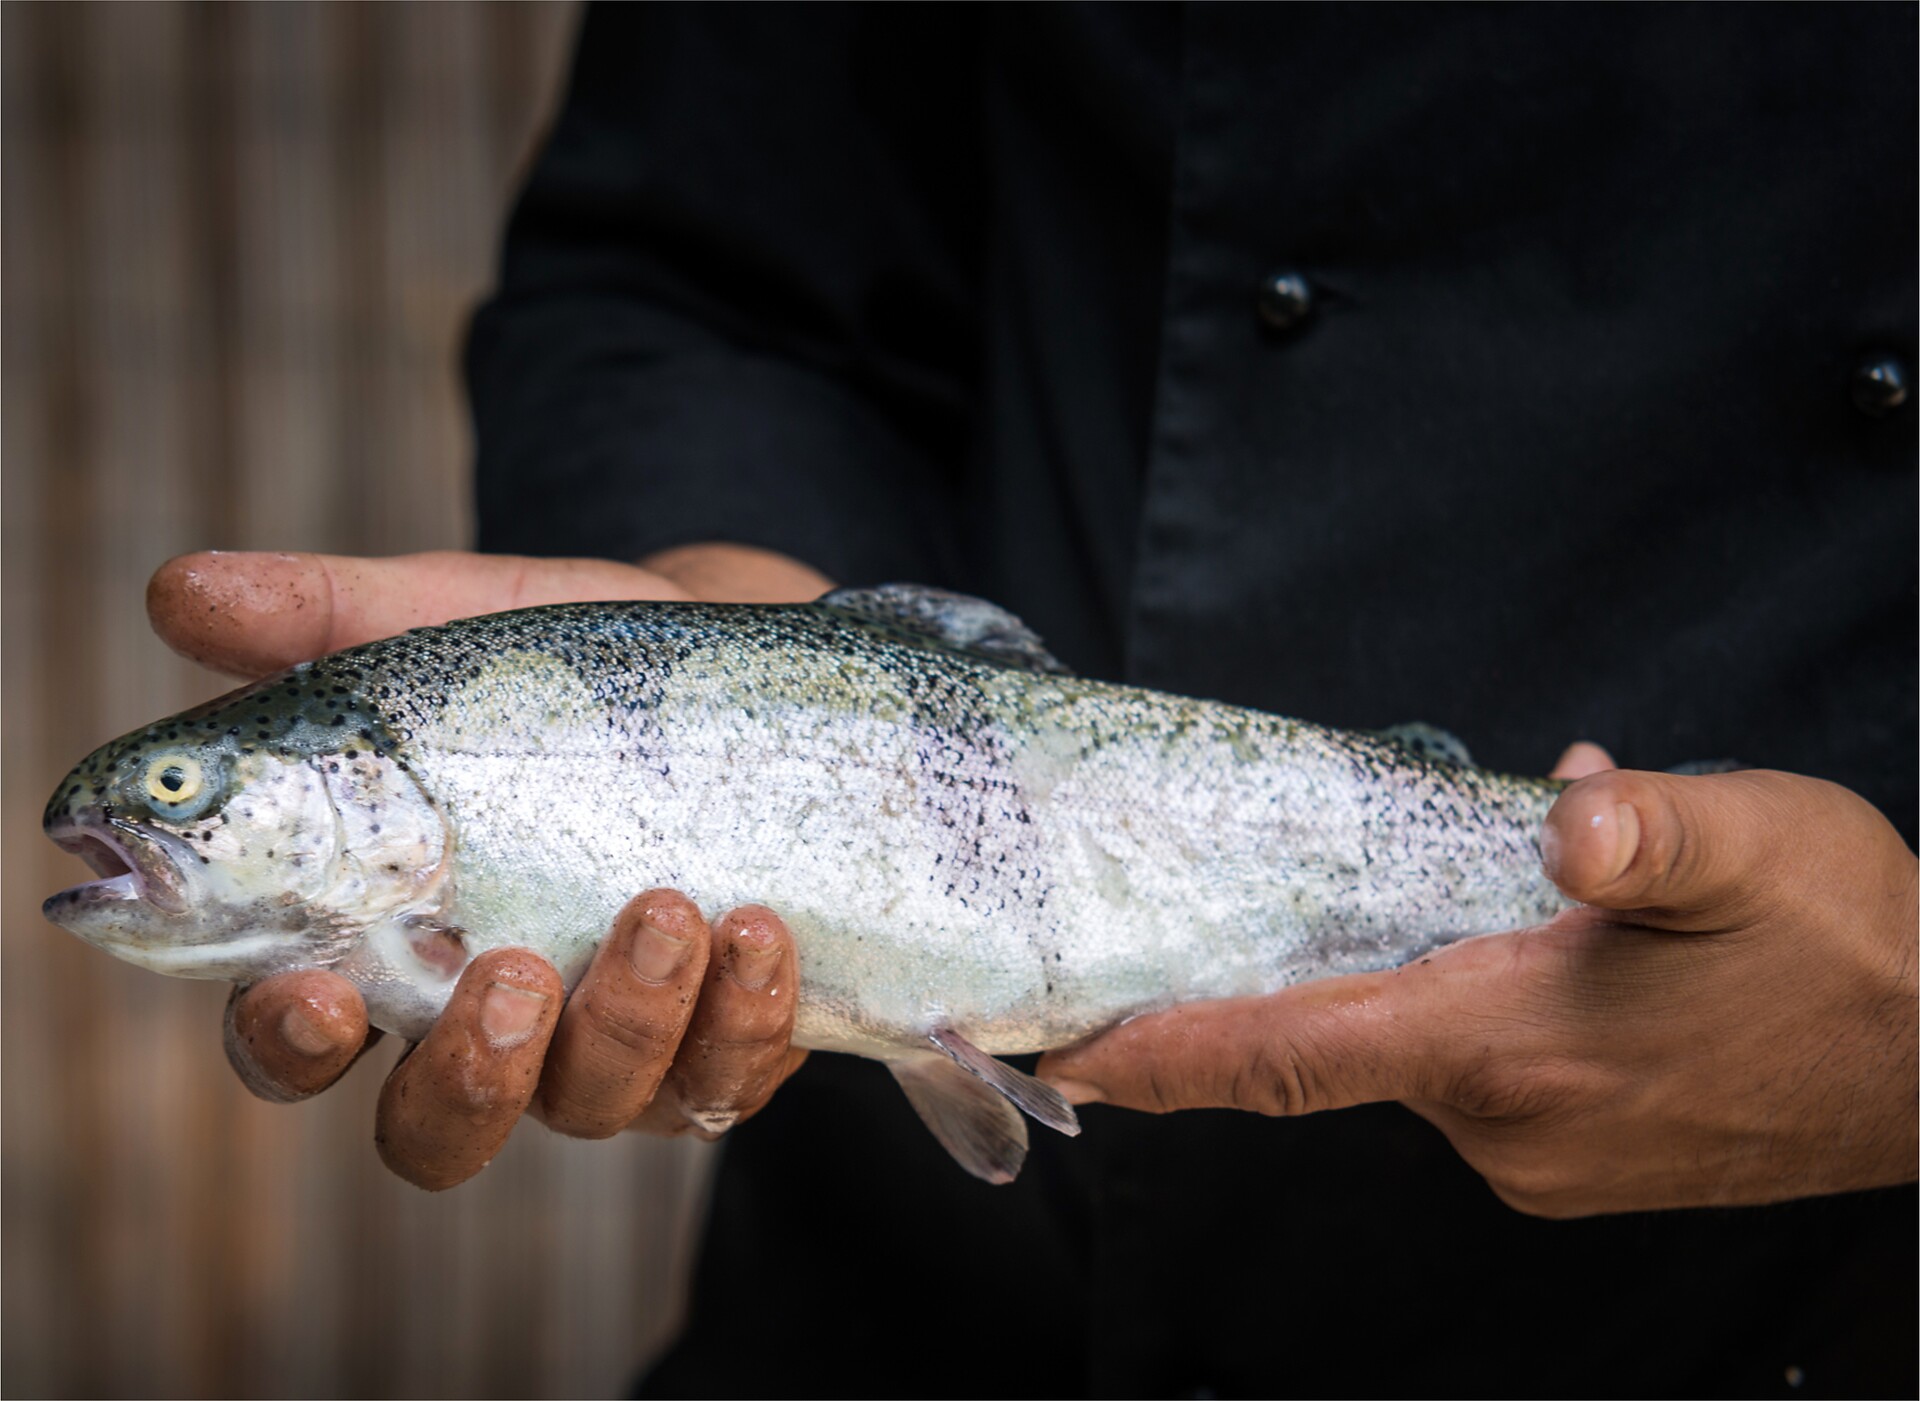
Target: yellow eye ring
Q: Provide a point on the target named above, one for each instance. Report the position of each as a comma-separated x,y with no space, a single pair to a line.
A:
173,779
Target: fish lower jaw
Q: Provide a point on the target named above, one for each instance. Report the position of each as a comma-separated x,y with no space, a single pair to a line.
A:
105,890
104,913
241,959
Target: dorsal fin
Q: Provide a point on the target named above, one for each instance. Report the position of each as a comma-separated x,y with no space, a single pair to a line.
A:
1430,742
956,621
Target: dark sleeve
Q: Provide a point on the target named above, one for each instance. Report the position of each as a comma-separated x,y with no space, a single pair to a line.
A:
735,298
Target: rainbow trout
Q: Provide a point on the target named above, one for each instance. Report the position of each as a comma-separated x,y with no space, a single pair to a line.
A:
978,853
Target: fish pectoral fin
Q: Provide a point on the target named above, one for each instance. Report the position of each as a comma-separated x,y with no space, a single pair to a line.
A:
980,1128
1036,1097
437,947
1430,742
956,621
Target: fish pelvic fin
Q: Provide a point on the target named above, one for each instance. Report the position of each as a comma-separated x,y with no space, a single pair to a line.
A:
973,1104
1035,1098
983,1131
956,621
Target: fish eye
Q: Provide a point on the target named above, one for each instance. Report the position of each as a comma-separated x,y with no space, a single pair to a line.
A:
173,779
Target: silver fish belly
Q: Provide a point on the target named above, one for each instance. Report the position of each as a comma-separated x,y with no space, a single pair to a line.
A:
978,853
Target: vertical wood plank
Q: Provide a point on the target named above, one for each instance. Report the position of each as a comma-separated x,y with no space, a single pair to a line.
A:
240,245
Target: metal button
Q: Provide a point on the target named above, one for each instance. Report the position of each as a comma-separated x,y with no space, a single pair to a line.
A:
1285,300
1881,385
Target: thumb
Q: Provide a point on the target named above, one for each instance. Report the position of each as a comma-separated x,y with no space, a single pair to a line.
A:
1682,852
1322,1045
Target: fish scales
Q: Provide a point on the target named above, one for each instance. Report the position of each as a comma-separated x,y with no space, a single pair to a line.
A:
968,843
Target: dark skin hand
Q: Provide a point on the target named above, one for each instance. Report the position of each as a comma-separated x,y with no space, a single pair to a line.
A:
679,1026
1729,1018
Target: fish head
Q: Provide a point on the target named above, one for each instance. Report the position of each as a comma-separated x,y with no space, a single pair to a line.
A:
233,853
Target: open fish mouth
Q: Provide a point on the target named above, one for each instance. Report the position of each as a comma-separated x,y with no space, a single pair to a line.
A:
132,865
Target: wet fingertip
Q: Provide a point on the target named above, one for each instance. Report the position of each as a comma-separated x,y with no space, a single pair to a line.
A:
243,612
309,1035
522,968
1580,844
755,921
665,908
753,957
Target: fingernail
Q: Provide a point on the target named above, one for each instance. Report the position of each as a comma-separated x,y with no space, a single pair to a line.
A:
1079,1091
302,1033
1550,851
1626,839
508,1014
655,954
753,964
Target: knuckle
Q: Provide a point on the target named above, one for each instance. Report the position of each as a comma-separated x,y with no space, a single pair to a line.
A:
738,1021
570,1121
630,1032
1280,1081
1505,1091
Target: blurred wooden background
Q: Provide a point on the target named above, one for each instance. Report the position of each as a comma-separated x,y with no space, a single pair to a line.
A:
240,246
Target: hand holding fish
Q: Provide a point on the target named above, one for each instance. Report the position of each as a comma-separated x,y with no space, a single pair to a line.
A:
1731,1018
510,1041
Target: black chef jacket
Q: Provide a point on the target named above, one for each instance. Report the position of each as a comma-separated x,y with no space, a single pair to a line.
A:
1536,373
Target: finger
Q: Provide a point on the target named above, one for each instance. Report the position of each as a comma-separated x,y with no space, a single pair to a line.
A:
1683,852
254,613
1322,1045
1582,759
723,573
450,1105
735,1053
293,1035
623,1024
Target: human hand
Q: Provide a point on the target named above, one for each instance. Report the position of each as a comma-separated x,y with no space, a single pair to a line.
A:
662,982
1730,1018
676,1028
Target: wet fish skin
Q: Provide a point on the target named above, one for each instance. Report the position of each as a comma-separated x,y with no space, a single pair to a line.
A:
977,852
